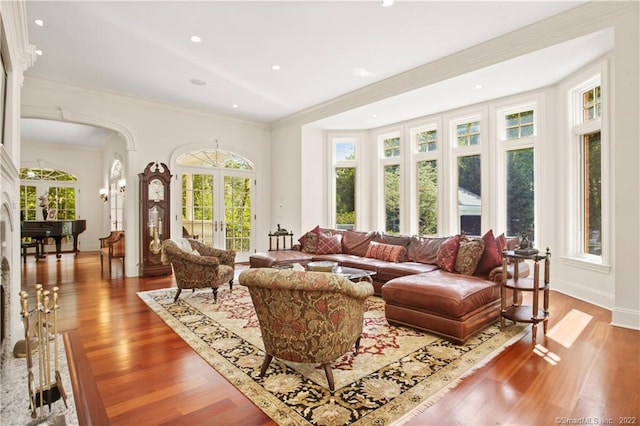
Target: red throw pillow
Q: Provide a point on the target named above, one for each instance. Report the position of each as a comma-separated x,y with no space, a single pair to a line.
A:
302,239
491,257
501,242
448,252
386,252
329,244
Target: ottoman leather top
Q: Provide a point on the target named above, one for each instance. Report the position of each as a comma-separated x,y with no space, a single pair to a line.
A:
451,295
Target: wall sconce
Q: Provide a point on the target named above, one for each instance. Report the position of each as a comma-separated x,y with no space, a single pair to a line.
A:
104,194
122,185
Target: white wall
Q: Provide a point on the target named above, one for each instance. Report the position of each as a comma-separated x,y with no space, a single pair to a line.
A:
152,132
618,288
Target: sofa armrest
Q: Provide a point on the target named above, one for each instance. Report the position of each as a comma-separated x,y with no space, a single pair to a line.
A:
496,273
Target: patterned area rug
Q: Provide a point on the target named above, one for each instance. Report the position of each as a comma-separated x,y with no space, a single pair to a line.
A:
397,372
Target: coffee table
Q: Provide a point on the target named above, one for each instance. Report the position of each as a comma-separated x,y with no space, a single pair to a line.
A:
355,274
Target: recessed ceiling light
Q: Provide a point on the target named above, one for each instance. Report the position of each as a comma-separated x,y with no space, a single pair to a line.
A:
386,3
197,82
39,52
234,106
374,115
479,86
275,67
39,22
195,39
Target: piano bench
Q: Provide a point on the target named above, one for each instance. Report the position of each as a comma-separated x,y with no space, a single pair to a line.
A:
25,246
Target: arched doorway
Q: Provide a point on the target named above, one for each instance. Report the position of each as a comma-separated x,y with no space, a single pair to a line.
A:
216,191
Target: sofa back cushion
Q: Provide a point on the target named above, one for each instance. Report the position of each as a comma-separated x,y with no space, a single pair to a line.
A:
469,254
424,249
356,242
387,252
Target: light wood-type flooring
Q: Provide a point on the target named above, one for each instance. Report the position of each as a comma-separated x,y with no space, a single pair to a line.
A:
129,368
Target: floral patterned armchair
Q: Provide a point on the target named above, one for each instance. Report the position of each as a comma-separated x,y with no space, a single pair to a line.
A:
309,317
197,265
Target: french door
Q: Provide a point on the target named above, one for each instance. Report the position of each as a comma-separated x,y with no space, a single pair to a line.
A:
217,208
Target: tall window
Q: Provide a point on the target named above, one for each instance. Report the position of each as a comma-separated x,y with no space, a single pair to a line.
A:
345,169
425,145
519,132
391,183
469,194
117,186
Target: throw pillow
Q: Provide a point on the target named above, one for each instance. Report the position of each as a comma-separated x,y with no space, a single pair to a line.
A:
329,244
491,257
501,242
469,254
386,252
310,242
447,253
302,239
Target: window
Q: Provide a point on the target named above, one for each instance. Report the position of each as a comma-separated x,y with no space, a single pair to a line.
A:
56,186
592,193
520,193
345,168
519,125
468,133
588,140
391,147
426,140
469,194
427,185
391,158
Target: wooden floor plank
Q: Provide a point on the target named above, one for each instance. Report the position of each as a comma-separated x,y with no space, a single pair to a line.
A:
128,367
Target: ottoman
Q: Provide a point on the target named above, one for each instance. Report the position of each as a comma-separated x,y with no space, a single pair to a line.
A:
452,305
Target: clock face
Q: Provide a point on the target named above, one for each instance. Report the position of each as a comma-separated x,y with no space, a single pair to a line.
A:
156,190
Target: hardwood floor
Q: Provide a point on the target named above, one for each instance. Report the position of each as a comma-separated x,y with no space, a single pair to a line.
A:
129,368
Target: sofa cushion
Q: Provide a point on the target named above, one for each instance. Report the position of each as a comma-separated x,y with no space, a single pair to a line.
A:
356,242
447,294
351,261
386,252
468,256
390,271
447,253
424,249
491,257
328,244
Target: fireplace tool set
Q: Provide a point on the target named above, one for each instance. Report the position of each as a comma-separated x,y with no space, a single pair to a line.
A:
49,387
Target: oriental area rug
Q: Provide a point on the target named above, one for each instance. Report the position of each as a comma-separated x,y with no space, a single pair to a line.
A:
397,373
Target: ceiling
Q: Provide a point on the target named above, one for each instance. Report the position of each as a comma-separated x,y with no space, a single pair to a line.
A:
324,49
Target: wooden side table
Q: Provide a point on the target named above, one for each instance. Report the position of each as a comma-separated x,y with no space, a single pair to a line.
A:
526,313
279,236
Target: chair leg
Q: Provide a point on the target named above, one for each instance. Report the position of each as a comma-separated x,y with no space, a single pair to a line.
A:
215,294
329,374
358,344
177,294
231,285
265,364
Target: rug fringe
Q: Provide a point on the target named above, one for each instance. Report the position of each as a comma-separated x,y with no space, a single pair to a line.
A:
431,401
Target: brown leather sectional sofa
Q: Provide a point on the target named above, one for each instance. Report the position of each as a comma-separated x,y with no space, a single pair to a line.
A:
417,292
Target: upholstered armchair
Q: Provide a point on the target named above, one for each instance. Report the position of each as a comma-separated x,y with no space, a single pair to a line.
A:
112,247
308,317
197,265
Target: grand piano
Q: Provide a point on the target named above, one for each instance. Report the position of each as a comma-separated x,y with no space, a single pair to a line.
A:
56,229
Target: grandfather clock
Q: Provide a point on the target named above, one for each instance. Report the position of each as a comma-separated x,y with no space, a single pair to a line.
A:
155,184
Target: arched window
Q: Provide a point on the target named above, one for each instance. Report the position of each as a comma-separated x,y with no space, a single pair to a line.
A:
216,199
